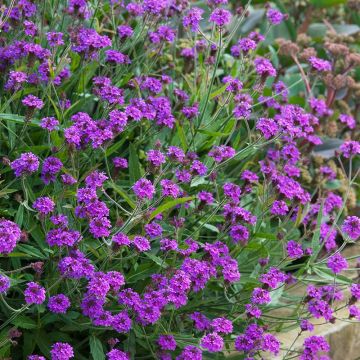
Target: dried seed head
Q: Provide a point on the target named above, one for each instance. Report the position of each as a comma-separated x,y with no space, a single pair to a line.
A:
307,53
287,47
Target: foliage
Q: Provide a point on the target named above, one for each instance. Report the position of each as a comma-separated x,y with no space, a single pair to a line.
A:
176,169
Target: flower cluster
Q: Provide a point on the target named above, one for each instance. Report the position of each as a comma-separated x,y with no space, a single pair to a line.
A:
168,174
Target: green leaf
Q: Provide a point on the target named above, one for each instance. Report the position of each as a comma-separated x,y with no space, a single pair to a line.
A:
24,322
19,119
326,3
122,194
265,236
31,251
328,275
19,217
169,205
57,111
156,259
213,133
182,137
134,164
140,273
315,241
96,348
218,91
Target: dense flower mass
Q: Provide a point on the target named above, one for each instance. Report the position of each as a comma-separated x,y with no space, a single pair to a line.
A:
172,171
9,236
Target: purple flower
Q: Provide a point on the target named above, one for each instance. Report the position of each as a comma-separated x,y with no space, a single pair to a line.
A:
294,250
220,17
34,293
260,296
313,345
206,197
273,277
354,312
232,191
239,233
144,189
49,123
169,188
264,67
168,245
350,148
271,344
153,230
120,163
320,308
51,166
44,205
198,168
246,45
16,78
141,243
67,179
115,354
319,106
193,18
337,263
306,325
351,227
253,311
26,164
88,42
355,291
251,340
212,342
121,239
30,28
4,284
163,33
175,154
151,84
190,352
274,16
61,351
95,179
279,207
222,325
222,152
32,102
191,112
125,31
10,234
319,64
348,120
35,357
155,7
249,176
155,157
117,57
201,321
55,38
59,304
268,127
121,322
167,342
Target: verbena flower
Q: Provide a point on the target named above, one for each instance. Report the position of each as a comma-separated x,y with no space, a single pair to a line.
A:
34,293
9,236
4,284
61,351
26,164
59,304
220,17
